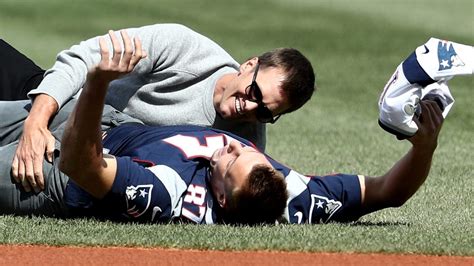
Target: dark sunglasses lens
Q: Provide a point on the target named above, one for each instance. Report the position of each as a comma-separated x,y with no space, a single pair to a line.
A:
253,93
256,92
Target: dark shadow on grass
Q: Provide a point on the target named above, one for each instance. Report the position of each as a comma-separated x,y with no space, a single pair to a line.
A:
367,223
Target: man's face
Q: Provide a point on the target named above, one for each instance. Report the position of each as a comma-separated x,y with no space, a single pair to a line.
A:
254,94
230,168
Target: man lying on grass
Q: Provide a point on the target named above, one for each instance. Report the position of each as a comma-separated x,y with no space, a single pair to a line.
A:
187,173
155,174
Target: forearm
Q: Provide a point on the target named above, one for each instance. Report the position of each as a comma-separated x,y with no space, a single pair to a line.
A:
44,107
399,184
82,136
402,181
81,148
407,175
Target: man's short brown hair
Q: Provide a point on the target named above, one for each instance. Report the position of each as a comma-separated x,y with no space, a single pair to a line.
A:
262,198
299,84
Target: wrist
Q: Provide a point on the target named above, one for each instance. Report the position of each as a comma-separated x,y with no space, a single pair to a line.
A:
43,109
34,120
99,77
424,150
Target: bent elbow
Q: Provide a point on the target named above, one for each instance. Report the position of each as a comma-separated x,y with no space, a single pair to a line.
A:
396,202
72,166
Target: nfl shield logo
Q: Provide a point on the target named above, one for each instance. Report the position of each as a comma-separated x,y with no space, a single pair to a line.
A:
322,208
138,199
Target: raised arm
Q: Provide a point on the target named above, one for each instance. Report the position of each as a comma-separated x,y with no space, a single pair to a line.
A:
81,152
60,83
402,181
164,47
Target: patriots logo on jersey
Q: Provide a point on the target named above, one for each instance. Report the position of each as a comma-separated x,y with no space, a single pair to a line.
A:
447,56
138,199
323,208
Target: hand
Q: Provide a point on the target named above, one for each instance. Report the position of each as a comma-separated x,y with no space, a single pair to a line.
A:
429,125
27,164
121,62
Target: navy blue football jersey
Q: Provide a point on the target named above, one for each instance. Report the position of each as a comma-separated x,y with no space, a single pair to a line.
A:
163,175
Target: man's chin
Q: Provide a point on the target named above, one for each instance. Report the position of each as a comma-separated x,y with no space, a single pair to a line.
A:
224,114
229,116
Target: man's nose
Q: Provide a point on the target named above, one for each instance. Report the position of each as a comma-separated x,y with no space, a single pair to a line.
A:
235,147
250,106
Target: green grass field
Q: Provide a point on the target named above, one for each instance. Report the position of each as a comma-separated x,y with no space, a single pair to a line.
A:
355,47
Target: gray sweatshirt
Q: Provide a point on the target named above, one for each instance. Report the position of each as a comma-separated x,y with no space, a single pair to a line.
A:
173,85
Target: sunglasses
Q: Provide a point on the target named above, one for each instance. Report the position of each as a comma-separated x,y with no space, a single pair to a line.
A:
254,94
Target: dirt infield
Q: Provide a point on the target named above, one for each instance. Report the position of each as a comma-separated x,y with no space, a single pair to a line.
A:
44,255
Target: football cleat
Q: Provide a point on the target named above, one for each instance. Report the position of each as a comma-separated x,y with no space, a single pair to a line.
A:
423,75
397,105
397,112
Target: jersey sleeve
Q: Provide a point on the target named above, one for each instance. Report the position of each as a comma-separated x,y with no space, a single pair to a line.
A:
322,199
147,194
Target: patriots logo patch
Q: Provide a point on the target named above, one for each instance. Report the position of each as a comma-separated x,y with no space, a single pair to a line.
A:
322,208
447,56
138,199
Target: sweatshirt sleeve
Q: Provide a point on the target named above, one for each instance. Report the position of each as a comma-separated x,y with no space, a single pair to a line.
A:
69,72
170,47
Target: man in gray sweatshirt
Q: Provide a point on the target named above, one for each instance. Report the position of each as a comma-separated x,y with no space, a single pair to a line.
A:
185,79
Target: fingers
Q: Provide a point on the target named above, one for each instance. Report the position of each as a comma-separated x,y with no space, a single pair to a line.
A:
431,114
34,174
36,179
23,173
117,48
27,163
139,53
104,51
437,113
20,170
122,59
128,50
15,169
126,59
429,125
29,174
50,149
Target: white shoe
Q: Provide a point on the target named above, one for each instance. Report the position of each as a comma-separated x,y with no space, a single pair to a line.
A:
442,60
398,108
397,105
423,75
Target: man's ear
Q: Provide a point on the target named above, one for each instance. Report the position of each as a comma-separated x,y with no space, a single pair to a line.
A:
218,190
221,200
248,65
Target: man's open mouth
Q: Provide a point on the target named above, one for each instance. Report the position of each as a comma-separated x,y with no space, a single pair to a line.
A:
238,106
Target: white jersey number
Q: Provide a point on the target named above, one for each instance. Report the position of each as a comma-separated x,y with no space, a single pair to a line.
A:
192,148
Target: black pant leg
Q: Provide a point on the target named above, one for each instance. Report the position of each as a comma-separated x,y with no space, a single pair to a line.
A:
18,74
